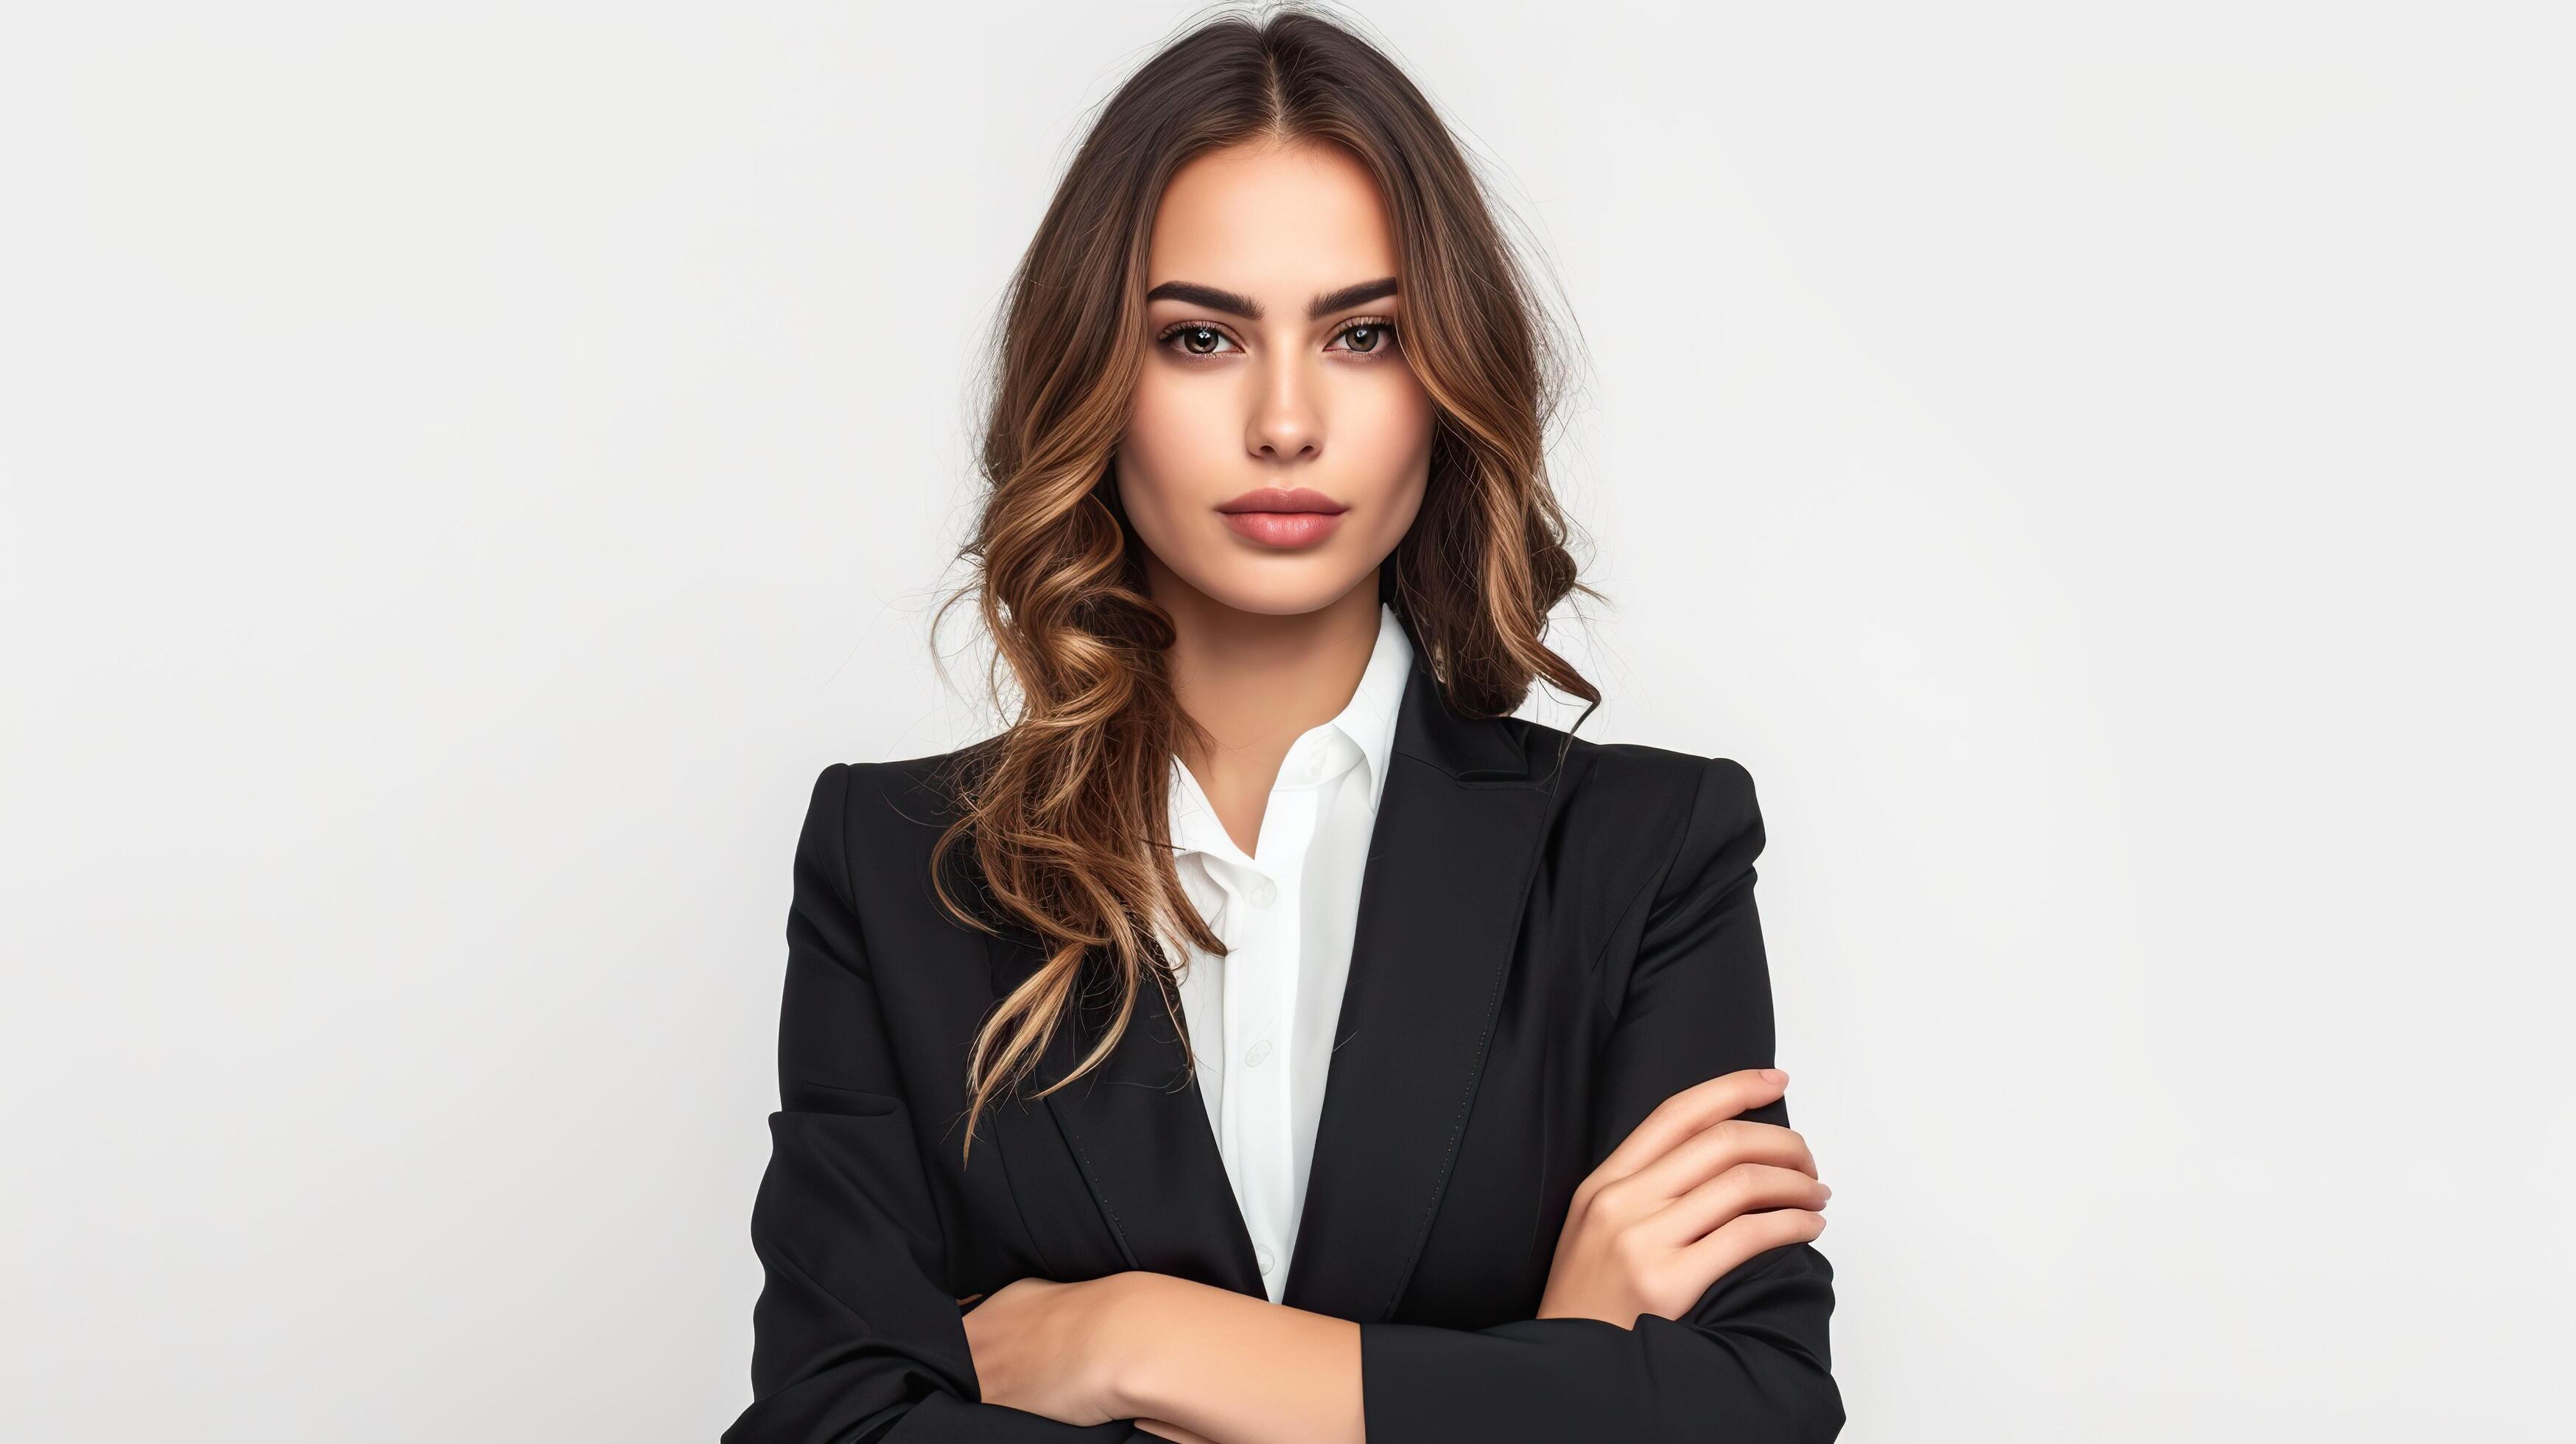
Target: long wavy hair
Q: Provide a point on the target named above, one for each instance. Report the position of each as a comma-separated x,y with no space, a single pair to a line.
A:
1065,809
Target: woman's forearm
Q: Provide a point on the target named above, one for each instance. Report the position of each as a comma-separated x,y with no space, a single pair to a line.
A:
1232,1368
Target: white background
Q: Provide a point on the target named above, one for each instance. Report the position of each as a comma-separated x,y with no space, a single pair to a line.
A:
2104,469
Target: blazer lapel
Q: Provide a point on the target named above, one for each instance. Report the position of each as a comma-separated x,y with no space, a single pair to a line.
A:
1441,896
1138,1127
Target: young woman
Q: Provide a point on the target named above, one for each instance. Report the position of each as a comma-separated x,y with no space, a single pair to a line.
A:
1267,1037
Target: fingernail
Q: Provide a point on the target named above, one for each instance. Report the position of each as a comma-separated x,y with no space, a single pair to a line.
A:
1775,1075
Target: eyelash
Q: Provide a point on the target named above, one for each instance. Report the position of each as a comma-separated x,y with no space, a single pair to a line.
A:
1385,347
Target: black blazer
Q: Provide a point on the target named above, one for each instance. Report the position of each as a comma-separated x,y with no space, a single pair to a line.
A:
1543,954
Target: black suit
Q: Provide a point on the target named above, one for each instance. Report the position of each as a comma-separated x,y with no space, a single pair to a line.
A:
1542,956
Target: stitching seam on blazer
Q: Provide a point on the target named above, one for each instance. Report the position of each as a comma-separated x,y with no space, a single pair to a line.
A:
1681,839
850,891
1091,1175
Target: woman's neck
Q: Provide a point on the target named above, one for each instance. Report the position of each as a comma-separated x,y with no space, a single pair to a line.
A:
1257,681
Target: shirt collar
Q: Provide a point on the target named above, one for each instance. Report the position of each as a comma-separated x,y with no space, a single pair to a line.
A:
1367,720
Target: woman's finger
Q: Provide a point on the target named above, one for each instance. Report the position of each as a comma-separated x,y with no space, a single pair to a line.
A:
1686,1113
1731,1194
1718,1255
1712,1151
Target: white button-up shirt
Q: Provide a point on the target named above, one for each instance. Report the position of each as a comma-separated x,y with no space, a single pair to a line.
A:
1261,1016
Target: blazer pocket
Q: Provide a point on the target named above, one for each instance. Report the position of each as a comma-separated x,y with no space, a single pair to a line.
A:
809,1096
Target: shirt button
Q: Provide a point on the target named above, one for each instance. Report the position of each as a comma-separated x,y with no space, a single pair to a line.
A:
1269,1260
1259,1051
1264,892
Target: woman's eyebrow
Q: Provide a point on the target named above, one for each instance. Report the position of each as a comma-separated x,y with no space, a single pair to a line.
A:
1216,299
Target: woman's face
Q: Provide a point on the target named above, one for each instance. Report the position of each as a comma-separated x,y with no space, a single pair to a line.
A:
1280,443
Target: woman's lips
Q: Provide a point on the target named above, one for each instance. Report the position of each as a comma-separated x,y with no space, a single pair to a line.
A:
1283,528
1289,518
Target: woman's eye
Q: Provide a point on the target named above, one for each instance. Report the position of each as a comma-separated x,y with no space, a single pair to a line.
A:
1196,340
1368,338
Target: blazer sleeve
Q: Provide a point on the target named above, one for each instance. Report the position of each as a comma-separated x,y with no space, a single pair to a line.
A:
855,1336
1749,1362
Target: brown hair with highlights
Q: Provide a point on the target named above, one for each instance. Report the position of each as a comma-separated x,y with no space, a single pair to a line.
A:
1064,810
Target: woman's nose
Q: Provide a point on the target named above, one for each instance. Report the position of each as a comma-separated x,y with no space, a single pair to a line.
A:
1286,426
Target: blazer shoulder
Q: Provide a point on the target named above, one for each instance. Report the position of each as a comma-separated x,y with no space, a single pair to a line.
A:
883,821
1715,793
907,792
1633,808
1721,784
1620,767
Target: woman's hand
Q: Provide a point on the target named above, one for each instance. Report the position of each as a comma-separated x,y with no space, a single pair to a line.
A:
1046,1347
1052,1349
1690,1194
1071,1351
